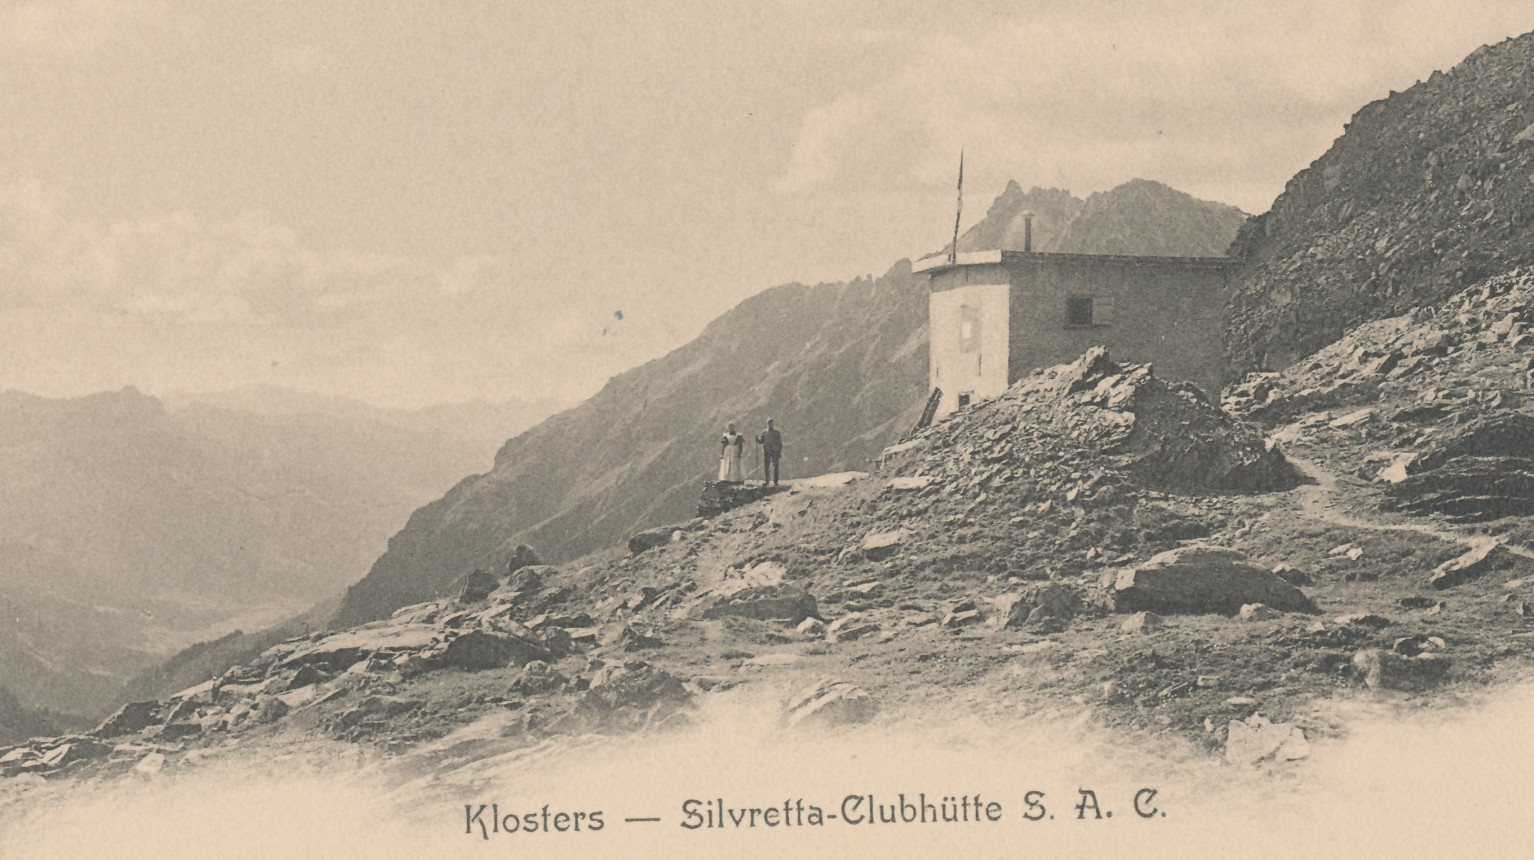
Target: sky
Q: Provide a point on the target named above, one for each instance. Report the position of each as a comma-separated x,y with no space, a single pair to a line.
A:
420,202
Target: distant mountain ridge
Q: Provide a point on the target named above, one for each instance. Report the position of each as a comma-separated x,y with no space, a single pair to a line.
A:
1141,218
129,530
842,367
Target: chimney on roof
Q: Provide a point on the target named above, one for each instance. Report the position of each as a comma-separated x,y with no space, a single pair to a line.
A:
1027,231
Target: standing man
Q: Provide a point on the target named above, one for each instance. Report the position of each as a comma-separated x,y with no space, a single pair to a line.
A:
772,452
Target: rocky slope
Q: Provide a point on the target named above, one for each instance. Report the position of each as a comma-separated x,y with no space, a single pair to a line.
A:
1094,541
1041,485
129,530
1427,191
1431,407
841,367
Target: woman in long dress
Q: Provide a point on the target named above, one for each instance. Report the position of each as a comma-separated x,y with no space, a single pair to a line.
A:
732,446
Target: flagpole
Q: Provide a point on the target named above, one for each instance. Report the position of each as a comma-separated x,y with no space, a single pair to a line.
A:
953,252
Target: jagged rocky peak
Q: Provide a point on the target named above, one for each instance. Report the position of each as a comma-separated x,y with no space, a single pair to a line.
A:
1427,191
1003,226
1140,217
1146,217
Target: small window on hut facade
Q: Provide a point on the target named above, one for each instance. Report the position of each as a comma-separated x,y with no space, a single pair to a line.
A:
1078,311
1086,311
1102,310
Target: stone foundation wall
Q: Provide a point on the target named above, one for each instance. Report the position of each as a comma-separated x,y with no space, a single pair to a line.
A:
719,497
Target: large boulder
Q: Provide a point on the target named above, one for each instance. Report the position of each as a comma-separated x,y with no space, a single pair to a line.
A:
529,578
1046,608
633,697
522,556
74,748
1200,580
1463,568
1256,740
536,678
812,627
828,703
338,651
786,602
650,539
1142,622
131,718
480,650
1484,473
306,676
1165,434
270,709
477,586
718,497
881,545
630,640
1387,670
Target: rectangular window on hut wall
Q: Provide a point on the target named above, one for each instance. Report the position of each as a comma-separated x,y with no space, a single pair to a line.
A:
1102,310
1088,311
1078,311
969,336
969,328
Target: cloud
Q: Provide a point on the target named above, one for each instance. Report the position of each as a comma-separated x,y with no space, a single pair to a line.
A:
476,274
175,265
67,28
180,302
1088,96
827,132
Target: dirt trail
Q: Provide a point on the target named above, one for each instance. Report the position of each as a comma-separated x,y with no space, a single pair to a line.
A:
1321,500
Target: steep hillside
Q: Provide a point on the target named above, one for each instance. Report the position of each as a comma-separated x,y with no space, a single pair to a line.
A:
128,531
17,723
1427,191
841,367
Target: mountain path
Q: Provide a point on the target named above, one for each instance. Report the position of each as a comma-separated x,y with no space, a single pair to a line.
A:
1319,501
